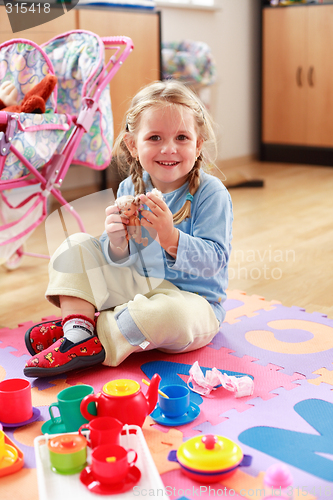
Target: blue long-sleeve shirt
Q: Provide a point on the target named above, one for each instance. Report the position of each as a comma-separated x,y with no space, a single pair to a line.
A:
201,264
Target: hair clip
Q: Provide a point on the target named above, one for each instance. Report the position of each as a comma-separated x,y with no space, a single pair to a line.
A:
189,197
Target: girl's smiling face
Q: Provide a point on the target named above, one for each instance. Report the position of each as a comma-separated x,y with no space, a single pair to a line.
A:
167,144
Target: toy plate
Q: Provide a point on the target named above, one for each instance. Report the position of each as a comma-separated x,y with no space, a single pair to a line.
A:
56,427
35,415
88,479
188,417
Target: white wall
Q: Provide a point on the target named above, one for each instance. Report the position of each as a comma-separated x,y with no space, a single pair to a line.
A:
233,35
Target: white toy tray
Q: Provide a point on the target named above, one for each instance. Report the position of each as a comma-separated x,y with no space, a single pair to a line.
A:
53,486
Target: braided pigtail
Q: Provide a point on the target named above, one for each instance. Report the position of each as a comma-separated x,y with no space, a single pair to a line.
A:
194,181
136,171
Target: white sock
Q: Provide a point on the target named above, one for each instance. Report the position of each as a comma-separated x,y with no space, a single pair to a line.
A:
78,329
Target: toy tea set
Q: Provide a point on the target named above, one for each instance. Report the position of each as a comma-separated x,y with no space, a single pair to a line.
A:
122,403
96,443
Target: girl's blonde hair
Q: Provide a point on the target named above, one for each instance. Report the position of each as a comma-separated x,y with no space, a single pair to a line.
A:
161,94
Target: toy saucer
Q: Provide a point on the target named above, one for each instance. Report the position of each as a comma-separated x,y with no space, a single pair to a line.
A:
9,457
16,465
35,415
87,478
188,417
56,427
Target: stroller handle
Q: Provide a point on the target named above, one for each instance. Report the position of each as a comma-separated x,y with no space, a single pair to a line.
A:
115,61
90,101
113,40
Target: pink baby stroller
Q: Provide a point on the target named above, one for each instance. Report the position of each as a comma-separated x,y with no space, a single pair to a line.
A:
36,150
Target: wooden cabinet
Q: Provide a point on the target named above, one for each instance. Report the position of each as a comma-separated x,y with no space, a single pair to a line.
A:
297,81
320,76
143,27
284,96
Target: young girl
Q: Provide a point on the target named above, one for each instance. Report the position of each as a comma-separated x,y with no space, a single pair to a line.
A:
167,295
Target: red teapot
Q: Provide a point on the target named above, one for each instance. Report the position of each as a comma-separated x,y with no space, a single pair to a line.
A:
123,399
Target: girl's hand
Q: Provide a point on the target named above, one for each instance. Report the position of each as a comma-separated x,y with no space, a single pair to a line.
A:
159,220
115,226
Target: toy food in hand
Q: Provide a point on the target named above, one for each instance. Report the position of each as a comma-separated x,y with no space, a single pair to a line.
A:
157,193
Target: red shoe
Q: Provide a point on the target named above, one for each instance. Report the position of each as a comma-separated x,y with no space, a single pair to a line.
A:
64,356
43,335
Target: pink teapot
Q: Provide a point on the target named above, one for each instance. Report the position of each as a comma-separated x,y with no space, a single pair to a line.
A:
123,399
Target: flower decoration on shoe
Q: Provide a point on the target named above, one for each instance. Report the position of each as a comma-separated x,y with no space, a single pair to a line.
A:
41,336
64,356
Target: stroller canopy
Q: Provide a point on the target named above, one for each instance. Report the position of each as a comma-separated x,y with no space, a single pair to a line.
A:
77,60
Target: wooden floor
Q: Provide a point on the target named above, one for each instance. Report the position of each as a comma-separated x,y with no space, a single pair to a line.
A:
282,244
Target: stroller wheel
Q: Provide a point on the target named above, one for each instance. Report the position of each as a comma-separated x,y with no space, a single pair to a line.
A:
15,260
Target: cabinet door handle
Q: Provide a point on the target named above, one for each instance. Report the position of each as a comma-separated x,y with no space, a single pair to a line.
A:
310,76
299,76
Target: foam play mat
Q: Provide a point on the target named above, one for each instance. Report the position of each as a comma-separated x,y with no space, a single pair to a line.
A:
288,419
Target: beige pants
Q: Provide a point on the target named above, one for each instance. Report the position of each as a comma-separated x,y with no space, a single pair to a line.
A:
160,314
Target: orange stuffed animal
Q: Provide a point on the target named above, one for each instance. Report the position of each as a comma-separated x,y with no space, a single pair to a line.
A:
33,101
